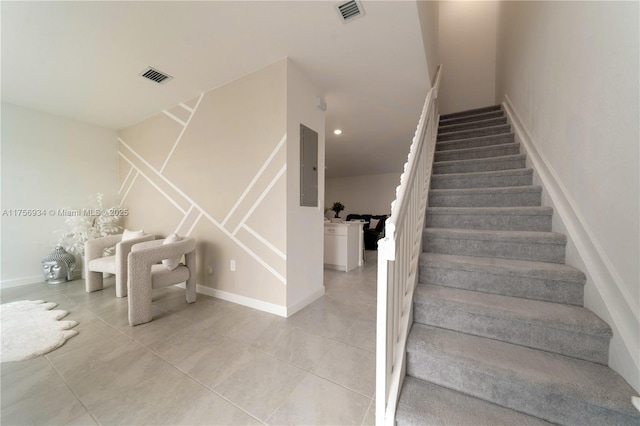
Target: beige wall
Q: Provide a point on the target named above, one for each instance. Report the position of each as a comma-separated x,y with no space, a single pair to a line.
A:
48,162
368,194
429,14
305,229
467,51
217,168
571,72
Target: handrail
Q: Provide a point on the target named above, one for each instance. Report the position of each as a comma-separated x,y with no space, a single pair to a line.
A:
398,255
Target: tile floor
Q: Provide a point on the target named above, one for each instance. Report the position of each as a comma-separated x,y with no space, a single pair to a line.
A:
212,362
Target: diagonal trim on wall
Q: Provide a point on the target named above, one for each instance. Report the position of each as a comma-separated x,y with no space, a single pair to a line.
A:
154,184
264,241
191,110
195,222
124,182
245,248
194,205
260,198
133,180
168,114
182,226
255,178
175,194
185,125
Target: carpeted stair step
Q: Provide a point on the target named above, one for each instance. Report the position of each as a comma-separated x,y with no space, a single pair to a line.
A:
476,142
549,386
424,403
479,152
474,133
490,122
553,327
509,277
471,112
516,177
469,118
497,218
523,245
510,196
507,162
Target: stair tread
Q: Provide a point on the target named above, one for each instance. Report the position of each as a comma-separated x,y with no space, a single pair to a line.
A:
494,235
512,267
479,148
488,140
559,375
489,190
480,175
509,211
483,160
485,122
535,312
425,403
463,134
470,112
470,118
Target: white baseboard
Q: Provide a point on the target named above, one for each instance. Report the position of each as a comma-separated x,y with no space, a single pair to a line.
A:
240,300
621,309
243,300
255,303
305,301
17,282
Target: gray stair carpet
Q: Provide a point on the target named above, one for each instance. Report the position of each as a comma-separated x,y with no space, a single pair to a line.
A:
500,334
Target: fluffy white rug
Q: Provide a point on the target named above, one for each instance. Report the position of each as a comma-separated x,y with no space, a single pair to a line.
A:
31,329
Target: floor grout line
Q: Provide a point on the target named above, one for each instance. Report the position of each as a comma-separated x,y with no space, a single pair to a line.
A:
353,310
71,389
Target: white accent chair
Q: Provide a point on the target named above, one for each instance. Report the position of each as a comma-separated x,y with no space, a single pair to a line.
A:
96,263
146,274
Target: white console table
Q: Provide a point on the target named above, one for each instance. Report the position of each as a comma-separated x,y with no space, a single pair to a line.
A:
343,245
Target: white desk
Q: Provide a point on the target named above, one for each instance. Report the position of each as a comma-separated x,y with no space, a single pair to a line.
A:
343,245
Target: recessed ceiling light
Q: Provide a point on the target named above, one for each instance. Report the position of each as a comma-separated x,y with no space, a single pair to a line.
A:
337,132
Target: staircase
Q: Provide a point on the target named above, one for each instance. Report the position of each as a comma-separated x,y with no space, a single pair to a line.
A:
500,336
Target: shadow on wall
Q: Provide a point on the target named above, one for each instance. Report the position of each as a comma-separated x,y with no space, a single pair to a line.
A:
207,252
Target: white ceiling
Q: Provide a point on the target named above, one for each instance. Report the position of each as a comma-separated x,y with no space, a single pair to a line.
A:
82,59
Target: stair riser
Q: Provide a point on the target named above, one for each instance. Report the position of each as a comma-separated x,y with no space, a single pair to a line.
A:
466,134
523,250
516,199
446,128
471,112
421,403
563,342
488,166
511,149
476,142
542,402
462,182
498,222
492,281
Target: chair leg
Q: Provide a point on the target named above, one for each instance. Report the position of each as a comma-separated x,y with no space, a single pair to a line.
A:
191,292
139,302
121,286
93,281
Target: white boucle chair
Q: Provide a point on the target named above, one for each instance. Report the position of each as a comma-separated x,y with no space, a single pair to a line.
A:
95,263
145,274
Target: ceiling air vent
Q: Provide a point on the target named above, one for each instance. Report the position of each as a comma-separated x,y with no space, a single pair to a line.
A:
350,10
155,75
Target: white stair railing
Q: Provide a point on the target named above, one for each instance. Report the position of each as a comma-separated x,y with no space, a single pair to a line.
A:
398,255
